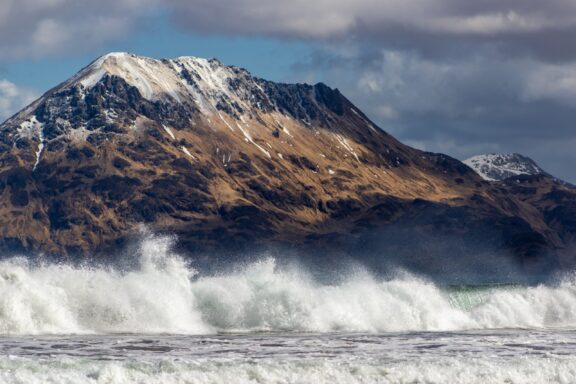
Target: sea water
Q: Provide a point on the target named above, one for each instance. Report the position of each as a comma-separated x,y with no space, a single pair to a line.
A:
162,322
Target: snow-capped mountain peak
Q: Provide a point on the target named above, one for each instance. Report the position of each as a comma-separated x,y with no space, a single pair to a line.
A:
156,79
498,167
119,93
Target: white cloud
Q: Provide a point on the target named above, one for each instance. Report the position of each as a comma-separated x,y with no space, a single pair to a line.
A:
330,18
13,98
35,28
49,34
492,23
38,28
552,82
387,112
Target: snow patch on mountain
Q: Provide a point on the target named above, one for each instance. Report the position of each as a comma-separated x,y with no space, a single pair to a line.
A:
498,167
30,128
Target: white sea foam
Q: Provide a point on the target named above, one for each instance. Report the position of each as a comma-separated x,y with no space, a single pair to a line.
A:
165,295
484,371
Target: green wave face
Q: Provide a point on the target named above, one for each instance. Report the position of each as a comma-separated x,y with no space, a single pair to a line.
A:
469,297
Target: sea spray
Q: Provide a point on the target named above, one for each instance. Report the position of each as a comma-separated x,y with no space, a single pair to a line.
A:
155,297
162,293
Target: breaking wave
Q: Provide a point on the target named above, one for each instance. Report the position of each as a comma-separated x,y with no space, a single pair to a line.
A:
164,294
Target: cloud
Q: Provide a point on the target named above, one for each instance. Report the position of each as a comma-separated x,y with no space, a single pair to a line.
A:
13,98
39,28
482,102
554,83
542,28
35,28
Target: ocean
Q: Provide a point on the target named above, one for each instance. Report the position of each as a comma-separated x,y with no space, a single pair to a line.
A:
160,321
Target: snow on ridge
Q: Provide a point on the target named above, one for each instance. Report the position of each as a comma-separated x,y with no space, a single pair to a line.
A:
211,78
206,82
155,79
498,167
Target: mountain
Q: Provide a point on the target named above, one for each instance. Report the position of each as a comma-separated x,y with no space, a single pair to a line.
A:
499,167
233,164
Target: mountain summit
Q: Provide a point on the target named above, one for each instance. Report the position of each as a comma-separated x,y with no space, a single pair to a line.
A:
226,160
499,167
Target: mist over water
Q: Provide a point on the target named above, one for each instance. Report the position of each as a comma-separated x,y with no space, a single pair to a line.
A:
162,293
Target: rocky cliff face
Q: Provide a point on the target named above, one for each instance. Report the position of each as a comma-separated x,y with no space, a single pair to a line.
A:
229,161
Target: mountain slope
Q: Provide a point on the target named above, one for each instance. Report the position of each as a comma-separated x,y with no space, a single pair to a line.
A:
226,160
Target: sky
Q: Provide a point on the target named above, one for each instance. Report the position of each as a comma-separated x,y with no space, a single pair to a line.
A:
451,76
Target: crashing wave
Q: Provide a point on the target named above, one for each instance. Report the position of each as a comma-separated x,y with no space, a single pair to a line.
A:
164,294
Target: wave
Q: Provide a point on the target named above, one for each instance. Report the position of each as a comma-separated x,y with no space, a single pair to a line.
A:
164,294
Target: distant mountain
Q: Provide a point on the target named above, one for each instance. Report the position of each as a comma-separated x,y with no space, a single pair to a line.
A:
231,163
499,167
